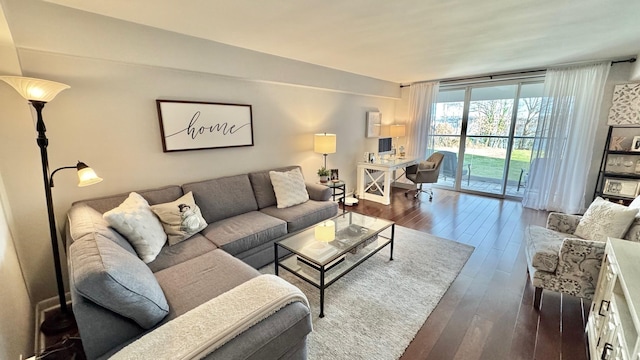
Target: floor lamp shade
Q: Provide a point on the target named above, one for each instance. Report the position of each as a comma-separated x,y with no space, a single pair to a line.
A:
35,89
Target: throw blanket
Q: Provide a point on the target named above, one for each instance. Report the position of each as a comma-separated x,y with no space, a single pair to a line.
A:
209,326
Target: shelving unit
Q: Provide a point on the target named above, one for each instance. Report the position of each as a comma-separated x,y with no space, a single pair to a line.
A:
619,175
613,325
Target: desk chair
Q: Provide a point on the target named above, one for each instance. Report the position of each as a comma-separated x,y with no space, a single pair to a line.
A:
425,173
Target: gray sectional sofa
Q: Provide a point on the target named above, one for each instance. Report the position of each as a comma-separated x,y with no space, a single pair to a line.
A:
117,298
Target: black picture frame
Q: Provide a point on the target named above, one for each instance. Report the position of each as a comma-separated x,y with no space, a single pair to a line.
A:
195,125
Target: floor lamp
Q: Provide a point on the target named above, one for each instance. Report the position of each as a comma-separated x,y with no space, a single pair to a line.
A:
38,93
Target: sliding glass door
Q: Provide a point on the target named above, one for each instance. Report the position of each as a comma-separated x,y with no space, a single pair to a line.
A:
486,133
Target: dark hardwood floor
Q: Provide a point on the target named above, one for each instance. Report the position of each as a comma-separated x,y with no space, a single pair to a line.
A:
487,312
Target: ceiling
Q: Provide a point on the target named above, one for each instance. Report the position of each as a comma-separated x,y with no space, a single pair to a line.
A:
401,41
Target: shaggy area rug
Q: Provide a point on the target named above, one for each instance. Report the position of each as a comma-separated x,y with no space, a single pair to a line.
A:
375,311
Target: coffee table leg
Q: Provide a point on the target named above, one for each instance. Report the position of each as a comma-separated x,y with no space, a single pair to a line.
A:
276,262
322,291
393,231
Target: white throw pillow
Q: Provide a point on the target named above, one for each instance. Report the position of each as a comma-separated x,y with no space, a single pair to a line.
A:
135,221
605,219
180,219
635,204
289,188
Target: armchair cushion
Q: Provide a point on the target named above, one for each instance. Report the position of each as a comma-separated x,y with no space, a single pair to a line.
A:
564,223
605,219
544,245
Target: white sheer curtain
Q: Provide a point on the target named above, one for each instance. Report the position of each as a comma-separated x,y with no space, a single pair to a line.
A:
422,100
563,146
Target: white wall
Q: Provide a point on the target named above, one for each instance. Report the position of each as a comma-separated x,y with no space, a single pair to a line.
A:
108,117
16,312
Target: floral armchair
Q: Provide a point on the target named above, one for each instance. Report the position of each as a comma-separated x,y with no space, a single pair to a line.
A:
560,259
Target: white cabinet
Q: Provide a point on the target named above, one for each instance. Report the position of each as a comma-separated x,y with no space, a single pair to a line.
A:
613,327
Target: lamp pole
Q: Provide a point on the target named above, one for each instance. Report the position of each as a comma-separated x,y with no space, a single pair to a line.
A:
64,319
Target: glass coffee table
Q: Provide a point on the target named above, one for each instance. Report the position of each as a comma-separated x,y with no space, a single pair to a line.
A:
321,260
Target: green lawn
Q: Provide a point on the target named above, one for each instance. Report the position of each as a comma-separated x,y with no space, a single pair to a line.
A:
493,166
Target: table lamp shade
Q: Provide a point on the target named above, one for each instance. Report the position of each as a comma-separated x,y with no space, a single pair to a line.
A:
35,89
397,131
325,231
324,143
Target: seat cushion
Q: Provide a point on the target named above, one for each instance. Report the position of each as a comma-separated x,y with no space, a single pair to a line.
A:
201,279
243,232
304,215
543,247
171,255
117,280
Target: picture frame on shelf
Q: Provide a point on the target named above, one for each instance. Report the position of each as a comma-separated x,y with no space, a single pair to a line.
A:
620,187
334,175
635,144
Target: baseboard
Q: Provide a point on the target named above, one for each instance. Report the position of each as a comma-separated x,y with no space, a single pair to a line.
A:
42,308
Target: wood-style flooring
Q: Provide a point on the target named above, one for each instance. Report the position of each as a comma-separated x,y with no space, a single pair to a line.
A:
487,312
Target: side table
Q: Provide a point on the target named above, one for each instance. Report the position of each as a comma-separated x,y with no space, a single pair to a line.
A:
338,191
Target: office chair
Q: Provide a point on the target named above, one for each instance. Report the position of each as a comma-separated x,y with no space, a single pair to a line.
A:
425,173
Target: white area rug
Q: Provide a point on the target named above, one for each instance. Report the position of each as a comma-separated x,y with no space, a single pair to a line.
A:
375,311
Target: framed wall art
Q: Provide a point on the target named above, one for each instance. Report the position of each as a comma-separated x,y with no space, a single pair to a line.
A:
374,123
192,125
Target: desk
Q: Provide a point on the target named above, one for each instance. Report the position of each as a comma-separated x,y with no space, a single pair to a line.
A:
372,175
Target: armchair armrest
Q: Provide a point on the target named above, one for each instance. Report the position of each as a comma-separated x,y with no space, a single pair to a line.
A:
579,263
564,223
318,192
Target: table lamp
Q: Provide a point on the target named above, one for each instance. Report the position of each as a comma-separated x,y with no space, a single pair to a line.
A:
324,144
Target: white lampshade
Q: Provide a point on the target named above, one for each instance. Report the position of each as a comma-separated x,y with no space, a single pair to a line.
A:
325,231
86,175
35,89
385,131
324,143
397,131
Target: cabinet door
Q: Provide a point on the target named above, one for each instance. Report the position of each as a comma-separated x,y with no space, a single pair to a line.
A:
602,298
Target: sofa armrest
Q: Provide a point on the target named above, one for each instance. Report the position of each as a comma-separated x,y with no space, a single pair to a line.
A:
564,223
580,262
318,192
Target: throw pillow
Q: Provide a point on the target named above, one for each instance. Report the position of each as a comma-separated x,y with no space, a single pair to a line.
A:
605,219
135,221
289,188
116,279
180,219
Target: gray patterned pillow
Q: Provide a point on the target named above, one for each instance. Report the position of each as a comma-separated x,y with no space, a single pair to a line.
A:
289,188
180,219
605,219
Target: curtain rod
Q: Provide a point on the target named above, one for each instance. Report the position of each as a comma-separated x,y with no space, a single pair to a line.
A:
490,77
